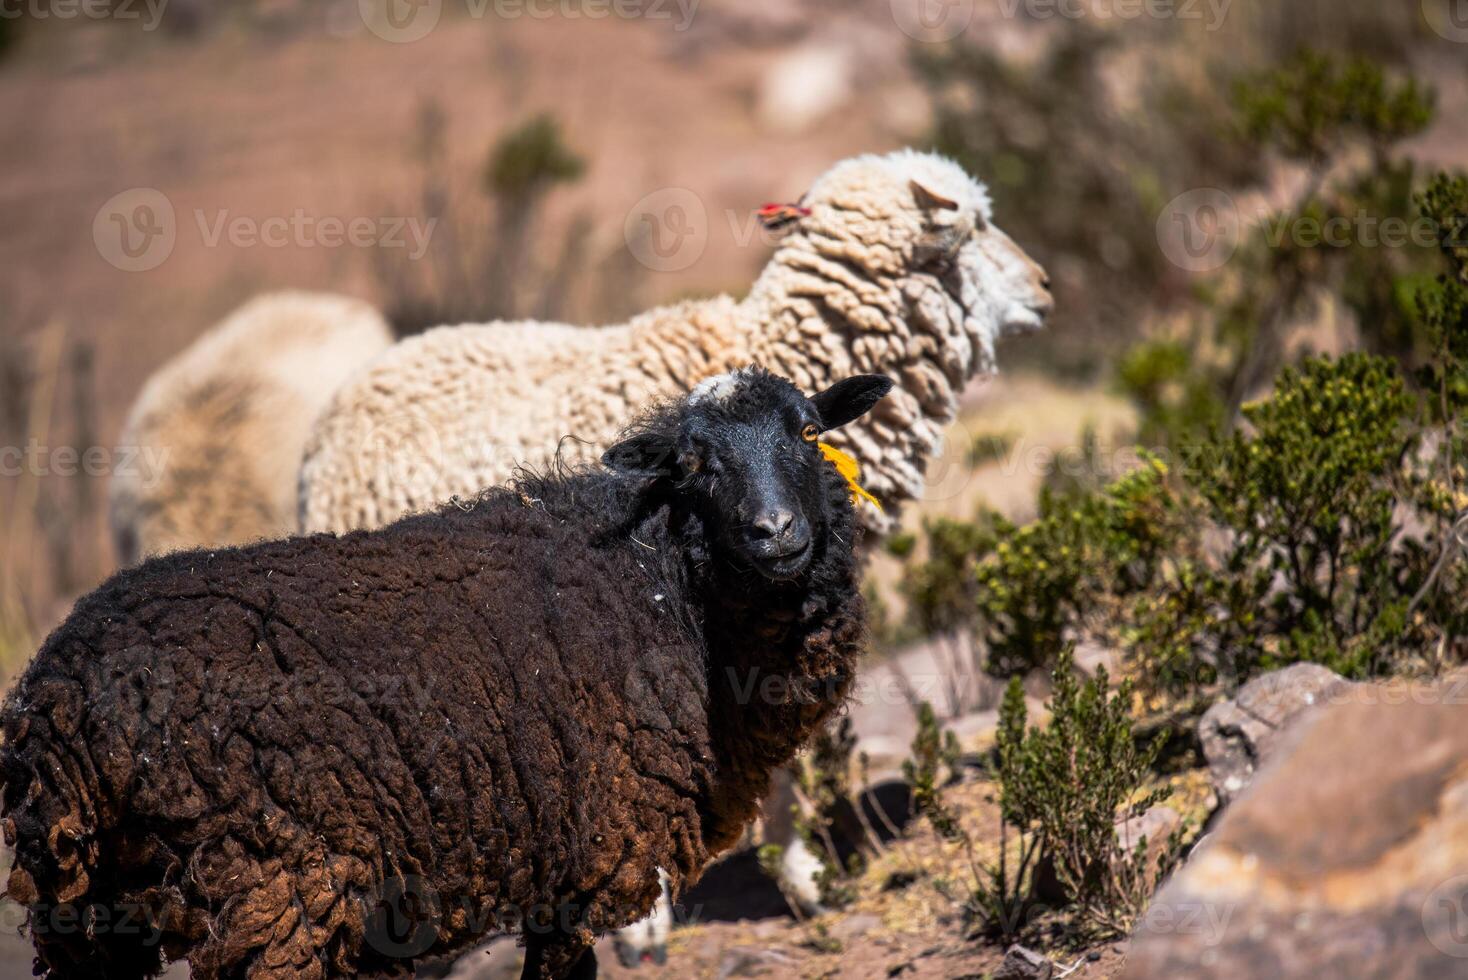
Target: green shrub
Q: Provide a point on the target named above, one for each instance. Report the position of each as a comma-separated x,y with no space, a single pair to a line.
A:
1319,523
940,590
933,763
530,158
1282,541
1312,103
989,447
1061,790
1175,402
1070,783
481,263
1308,498
1024,590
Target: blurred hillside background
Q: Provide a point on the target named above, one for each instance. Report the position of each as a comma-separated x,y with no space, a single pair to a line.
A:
534,137
582,160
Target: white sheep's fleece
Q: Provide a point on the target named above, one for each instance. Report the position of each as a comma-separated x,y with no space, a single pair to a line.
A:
220,428
898,269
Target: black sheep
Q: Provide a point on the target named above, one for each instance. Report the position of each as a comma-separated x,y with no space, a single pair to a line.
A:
330,756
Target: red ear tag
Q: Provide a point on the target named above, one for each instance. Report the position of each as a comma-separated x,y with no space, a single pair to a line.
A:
777,216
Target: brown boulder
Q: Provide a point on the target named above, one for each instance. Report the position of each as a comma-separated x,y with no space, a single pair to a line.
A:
1348,857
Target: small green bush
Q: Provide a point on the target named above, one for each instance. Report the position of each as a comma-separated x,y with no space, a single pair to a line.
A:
530,158
1069,784
933,763
1061,790
484,260
1024,589
1308,498
989,447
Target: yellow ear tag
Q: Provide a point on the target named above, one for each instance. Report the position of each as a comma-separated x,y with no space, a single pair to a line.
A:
851,470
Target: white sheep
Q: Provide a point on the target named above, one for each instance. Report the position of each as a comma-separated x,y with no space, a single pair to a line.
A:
226,421
897,269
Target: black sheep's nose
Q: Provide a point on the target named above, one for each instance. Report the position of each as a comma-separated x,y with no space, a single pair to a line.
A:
774,524
777,533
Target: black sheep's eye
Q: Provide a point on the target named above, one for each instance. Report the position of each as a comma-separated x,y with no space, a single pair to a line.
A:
810,433
691,462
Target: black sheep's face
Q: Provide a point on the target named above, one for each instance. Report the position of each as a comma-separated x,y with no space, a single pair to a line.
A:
744,451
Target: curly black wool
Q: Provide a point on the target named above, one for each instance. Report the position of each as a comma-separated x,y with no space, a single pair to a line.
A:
331,756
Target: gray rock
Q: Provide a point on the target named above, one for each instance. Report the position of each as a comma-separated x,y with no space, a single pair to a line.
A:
854,926
1024,964
1157,825
1239,734
749,961
1091,656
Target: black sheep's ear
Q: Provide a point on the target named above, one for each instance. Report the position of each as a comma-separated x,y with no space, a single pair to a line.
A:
849,399
646,454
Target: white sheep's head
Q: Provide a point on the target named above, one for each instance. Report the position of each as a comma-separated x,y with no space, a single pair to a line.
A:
919,225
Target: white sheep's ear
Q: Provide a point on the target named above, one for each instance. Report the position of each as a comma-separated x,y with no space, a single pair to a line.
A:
646,454
930,201
941,242
849,399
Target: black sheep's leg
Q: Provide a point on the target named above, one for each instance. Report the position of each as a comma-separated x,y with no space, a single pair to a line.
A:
557,956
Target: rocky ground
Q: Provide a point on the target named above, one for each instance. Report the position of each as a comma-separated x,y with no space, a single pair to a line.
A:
1343,853
906,921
